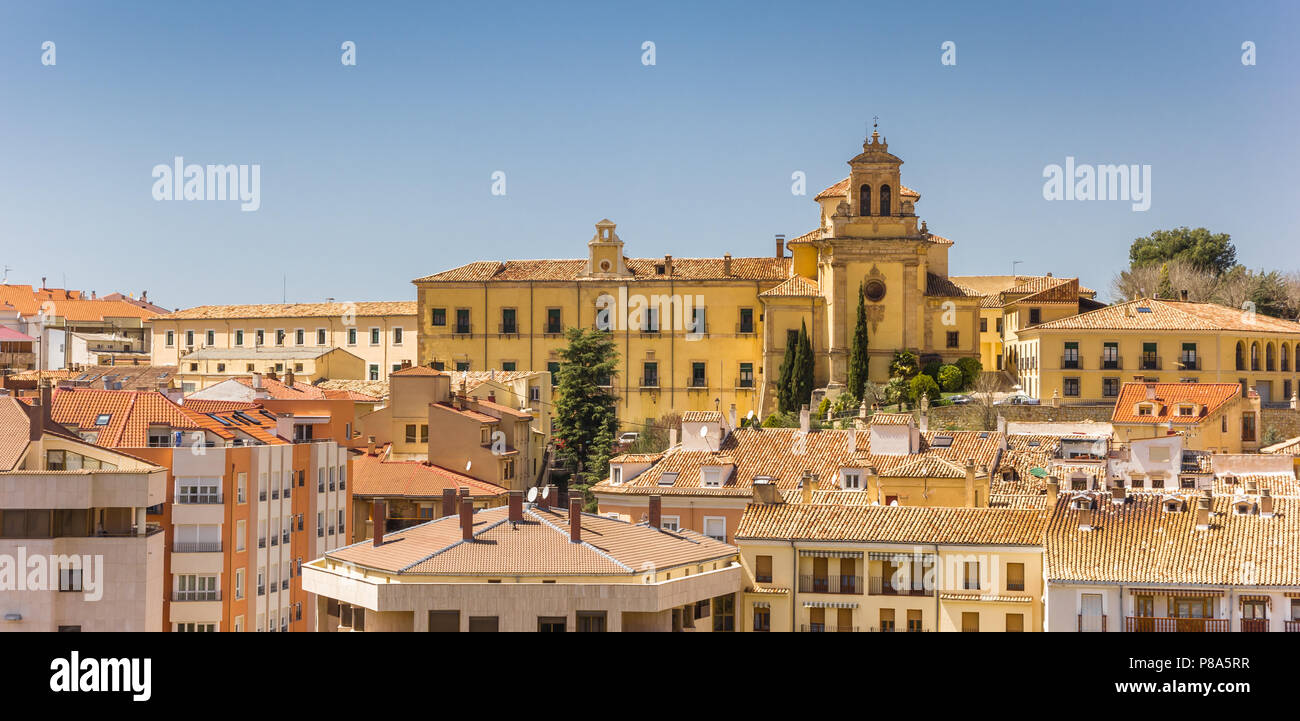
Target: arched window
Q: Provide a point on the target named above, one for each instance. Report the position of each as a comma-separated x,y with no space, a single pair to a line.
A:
1268,358
1241,356
864,200
1254,356
884,200
1286,361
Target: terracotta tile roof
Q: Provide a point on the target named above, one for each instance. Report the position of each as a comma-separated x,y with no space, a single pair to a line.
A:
1291,446
1066,291
279,390
129,415
69,304
796,287
1209,398
539,546
937,285
1279,484
939,239
702,417
132,377
892,419
1140,542
1153,314
294,310
764,268
780,453
468,413
14,432
374,476
636,458
842,189
994,285
418,371
203,405
474,379
806,238
356,388
893,524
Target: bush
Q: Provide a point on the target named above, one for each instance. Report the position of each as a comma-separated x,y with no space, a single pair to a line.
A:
904,365
923,385
951,379
823,408
931,368
970,371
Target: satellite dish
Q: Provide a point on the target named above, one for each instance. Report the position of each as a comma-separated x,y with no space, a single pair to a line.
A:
750,415
704,431
532,494
546,492
893,503
468,464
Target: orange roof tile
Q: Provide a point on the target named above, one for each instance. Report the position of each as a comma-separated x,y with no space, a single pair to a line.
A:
893,524
763,268
796,287
1208,397
294,310
1154,314
373,476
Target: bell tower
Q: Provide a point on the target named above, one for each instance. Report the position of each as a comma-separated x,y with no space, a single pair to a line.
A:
875,185
605,252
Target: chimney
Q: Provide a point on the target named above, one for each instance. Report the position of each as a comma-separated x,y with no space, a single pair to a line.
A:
1266,503
765,492
655,511
925,416
732,416
780,245
1252,486
1117,494
575,519
970,482
492,396
370,446
448,501
726,264
1085,518
806,487
668,265
672,437
853,441
144,296
377,518
1151,391
1002,424
288,376
272,375
466,518
1203,513
1053,487
1183,295
516,506
804,421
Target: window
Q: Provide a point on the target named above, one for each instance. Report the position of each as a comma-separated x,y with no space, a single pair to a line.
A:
438,316
914,621
279,337
971,575
1071,387
171,338
1070,355
698,322
462,365
954,339
763,569
711,477
1035,316
852,480
550,624
444,621
747,320
864,200
1015,576
1015,623
374,371
650,374
300,337
189,337
1187,358
554,369
374,336
746,376
462,321
715,527
320,336
484,624
671,523
884,200
69,578
397,335
762,618
553,324
998,321
509,366
1150,361
1248,427
970,622
259,337
352,336
591,621
724,613
1110,387
697,376
508,325
410,432
102,419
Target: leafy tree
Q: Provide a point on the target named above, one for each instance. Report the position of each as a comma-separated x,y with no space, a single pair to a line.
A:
585,419
896,391
1165,289
904,365
654,437
801,381
950,378
970,371
923,385
931,367
1208,251
859,365
785,378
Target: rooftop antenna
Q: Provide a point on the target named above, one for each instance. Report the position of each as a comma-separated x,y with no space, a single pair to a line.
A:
5,279
1014,263
284,288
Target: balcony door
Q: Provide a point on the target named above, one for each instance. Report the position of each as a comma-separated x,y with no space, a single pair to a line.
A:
820,575
1090,613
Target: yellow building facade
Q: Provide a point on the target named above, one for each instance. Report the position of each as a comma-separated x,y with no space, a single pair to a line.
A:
1087,357
706,333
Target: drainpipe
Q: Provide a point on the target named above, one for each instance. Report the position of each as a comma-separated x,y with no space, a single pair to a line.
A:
937,585
794,587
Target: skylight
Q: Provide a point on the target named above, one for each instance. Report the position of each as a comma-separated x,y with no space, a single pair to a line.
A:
668,478
103,418
1143,309
942,442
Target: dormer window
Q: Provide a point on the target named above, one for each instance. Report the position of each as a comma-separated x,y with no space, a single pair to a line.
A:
1145,409
711,477
1187,409
616,475
851,480
1173,505
1243,508
1081,503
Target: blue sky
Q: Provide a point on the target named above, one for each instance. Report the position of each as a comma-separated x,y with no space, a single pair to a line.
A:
376,174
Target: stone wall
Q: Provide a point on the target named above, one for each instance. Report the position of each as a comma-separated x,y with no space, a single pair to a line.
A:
1284,420
972,415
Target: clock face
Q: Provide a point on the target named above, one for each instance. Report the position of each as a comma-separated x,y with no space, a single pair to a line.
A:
874,290
605,265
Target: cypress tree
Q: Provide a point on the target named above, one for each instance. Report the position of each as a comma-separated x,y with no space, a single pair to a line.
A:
858,363
802,381
784,389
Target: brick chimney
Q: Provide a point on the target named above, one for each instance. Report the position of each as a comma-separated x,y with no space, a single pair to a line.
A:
516,506
726,264
288,377
448,501
1203,513
780,245
1053,488
655,507
575,519
377,516
765,492
1085,518
1266,503
466,518
1118,494
970,482
370,446
668,265
806,486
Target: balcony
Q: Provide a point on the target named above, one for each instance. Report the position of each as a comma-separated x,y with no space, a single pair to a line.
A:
1151,363
1189,363
284,537
183,596
650,382
1254,625
1092,624
1175,625
261,590
1068,363
261,495
1291,626
744,329
830,584
198,514
507,329
879,587
824,628
197,547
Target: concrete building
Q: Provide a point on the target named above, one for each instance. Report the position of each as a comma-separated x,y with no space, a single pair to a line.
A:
209,366
73,520
527,567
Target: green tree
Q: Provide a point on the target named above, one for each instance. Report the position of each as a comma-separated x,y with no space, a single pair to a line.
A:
923,385
1208,251
1165,289
896,391
785,378
801,381
970,371
859,366
950,378
931,368
585,419
904,365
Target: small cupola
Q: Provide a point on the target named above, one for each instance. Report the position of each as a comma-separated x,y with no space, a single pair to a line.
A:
605,252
